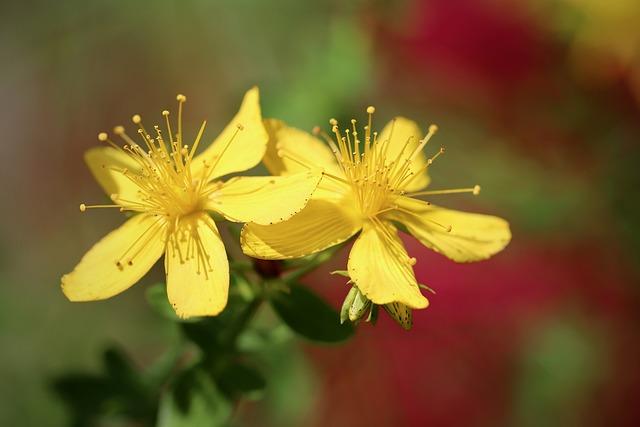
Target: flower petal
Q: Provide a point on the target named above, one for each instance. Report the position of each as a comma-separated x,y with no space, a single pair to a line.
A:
229,153
136,245
197,268
397,132
320,225
264,199
380,267
274,163
298,144
106,164
473,237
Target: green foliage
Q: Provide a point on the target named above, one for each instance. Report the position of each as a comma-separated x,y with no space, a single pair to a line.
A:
194,401
120,391
202,375
240,380
310,316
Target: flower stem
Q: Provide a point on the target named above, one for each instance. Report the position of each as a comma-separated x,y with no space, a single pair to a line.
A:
242,321
312,264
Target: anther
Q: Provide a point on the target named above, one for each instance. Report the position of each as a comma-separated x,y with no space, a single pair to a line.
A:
83,207
449,228
433,128
316,130
102,136
118,130
181,98
165,112
333,122
239,126
136,119
371,109
476,190
412,261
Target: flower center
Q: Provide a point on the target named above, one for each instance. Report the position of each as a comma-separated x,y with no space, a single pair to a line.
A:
160,170
376,176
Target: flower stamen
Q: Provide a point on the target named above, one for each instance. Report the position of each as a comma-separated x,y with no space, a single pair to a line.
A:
475,190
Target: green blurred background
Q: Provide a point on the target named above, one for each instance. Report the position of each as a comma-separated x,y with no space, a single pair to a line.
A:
537,101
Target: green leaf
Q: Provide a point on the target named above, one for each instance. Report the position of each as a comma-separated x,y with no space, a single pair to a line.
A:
194,401
310,316
118,392
239,380
85,394
120,370
241,285
205,334
343,273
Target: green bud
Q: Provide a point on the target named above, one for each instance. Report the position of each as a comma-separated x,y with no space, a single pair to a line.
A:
359,306
344,312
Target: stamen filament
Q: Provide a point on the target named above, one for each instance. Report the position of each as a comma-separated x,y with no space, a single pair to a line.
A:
475,190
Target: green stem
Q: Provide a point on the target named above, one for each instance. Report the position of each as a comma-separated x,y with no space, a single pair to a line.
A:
160,372
314,263
242,321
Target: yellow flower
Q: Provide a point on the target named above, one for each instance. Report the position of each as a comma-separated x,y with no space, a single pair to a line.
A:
369,185
169,189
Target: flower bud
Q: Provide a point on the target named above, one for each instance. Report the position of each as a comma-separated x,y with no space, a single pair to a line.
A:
355,306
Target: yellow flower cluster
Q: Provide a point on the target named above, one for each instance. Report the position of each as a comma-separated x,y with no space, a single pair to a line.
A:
359,182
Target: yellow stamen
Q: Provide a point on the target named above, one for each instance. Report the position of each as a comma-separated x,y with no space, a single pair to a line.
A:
475,190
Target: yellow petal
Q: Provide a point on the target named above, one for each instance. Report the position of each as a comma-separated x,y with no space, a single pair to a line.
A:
106,165
290,149
136,246
264,199
380,267
473,237
229,153
393,141
274,163
197,268
320,225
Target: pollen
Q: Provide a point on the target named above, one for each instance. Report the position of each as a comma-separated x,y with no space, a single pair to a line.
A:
166,182
376,176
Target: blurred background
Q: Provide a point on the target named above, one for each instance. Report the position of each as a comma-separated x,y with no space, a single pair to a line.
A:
538,101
